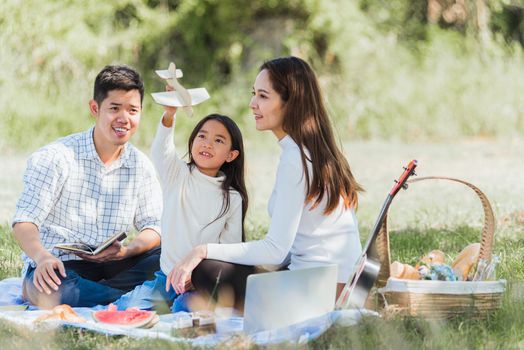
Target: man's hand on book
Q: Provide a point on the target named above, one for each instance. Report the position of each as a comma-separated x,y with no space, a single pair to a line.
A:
115,251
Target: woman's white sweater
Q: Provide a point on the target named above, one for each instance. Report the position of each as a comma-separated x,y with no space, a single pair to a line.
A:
310,237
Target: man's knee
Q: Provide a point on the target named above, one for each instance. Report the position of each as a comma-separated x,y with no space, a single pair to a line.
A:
37,298
67,292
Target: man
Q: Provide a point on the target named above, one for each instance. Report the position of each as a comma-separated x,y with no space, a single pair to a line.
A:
85,188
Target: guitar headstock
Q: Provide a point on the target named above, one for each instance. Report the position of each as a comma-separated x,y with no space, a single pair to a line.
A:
409,170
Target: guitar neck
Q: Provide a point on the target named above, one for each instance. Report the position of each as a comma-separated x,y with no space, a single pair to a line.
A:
376,229
367,269
400,183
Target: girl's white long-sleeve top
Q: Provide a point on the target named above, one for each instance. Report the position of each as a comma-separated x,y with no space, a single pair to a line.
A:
309,236
192,200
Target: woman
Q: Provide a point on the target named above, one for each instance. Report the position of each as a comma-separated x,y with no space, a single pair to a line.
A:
312,212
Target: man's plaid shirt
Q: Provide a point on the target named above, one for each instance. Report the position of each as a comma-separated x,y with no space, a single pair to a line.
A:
71,196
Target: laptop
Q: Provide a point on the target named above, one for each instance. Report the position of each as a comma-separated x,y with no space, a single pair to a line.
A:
279,299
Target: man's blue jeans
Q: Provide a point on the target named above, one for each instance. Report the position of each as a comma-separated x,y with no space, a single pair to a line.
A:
152,295
89,283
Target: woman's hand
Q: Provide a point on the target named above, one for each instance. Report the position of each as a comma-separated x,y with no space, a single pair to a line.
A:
181,273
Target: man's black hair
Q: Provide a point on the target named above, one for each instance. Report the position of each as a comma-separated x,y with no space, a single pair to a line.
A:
117,77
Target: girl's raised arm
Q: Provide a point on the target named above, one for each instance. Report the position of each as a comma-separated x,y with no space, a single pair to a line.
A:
163,151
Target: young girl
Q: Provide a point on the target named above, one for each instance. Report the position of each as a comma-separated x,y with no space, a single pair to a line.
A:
313,203
205,200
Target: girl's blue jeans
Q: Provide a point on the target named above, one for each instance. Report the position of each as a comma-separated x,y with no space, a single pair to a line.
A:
152,295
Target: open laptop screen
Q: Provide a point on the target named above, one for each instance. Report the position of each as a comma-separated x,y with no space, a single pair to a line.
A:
279,299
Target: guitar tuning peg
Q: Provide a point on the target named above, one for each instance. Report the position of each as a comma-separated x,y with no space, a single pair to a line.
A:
405,186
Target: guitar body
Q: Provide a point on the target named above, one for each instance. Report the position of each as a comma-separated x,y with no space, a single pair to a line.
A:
356,291
364,283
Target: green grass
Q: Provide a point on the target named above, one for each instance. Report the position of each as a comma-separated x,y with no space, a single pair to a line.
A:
501,330
10,261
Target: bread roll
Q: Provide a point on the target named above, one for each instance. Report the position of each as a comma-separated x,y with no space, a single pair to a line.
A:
405,271
433,257
410,273
396,269
61,312
466,260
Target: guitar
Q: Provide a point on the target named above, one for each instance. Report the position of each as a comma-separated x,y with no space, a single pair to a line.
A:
357,289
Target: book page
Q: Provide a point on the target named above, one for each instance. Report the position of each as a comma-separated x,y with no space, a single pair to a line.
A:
119,236
79,247
76,247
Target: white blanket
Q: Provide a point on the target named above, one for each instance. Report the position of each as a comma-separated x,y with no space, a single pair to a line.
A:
10,291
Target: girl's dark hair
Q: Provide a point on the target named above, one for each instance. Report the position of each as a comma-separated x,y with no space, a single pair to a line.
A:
307,122
234,170
117,78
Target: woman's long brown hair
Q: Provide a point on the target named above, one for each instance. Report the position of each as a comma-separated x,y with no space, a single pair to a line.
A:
307,122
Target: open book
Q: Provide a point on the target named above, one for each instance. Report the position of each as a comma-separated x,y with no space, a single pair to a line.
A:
80,247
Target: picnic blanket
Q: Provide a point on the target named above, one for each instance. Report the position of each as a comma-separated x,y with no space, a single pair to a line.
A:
226,328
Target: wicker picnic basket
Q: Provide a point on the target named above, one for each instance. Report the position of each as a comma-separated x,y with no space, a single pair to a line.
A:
441,299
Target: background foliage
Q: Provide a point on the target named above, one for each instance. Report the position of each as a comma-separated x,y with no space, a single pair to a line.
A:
390,69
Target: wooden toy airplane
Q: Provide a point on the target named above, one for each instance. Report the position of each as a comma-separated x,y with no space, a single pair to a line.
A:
180,96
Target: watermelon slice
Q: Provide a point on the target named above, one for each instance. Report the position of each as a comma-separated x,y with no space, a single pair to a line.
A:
132,318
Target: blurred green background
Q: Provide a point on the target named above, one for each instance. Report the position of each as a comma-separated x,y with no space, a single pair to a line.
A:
430,70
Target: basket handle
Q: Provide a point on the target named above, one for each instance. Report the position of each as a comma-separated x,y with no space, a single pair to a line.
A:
486,243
